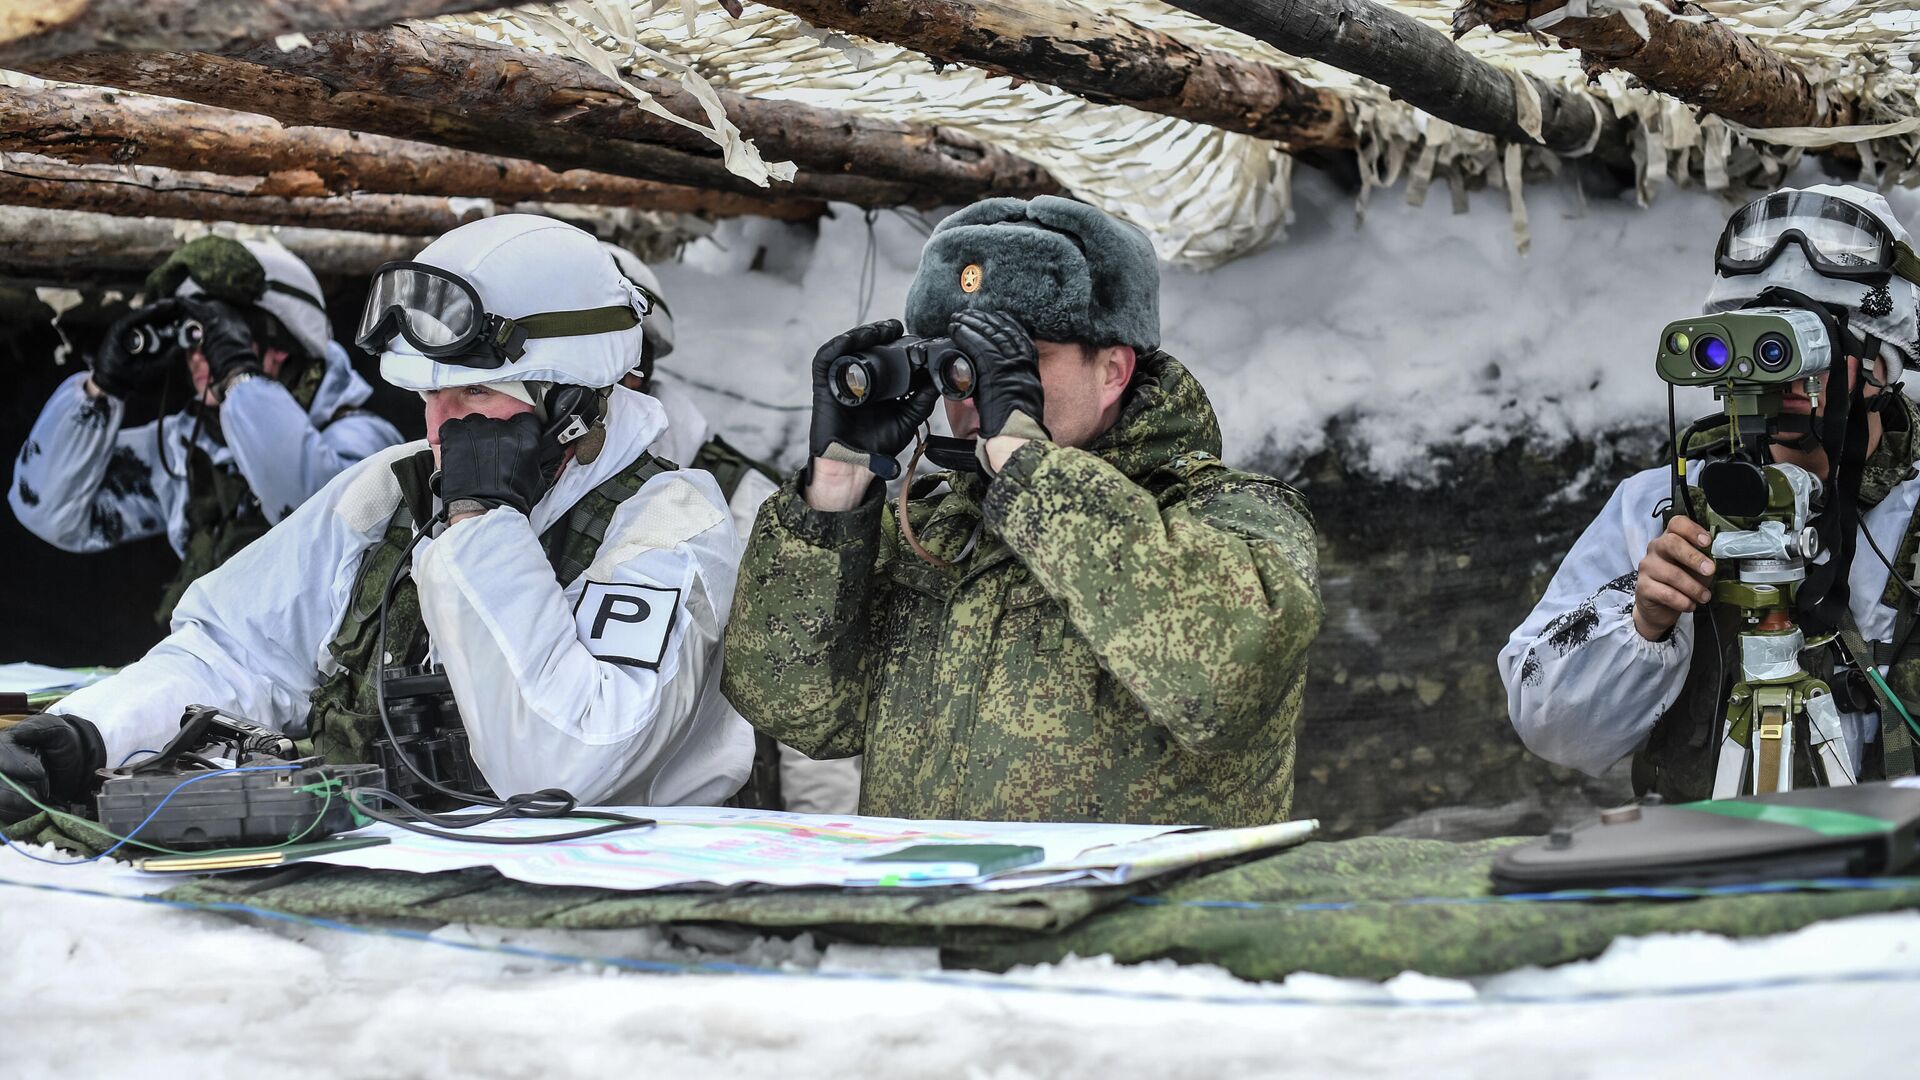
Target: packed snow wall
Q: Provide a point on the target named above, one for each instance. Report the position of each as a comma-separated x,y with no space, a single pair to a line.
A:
1456,412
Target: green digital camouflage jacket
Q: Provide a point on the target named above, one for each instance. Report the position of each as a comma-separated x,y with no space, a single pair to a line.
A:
1123,636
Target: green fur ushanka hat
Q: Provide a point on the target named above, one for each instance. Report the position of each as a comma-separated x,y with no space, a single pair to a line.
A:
1067,271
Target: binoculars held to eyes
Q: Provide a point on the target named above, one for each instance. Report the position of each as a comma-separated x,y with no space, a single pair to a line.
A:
153,339
886,372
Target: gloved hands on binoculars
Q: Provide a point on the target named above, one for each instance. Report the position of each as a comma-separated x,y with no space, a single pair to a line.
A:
141,345
1009,397
872,435
225,339
134,355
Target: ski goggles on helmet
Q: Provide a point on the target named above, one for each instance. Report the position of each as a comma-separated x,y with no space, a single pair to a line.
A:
1838,238
439,313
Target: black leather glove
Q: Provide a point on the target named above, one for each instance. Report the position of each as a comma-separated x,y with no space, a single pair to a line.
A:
225,339
491,462
873,434
1007,372
54,758
120,371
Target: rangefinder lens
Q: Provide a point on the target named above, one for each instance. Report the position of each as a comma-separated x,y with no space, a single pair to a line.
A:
1678,341
1710,354
1773,352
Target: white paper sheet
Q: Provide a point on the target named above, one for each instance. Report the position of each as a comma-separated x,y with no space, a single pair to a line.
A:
695,846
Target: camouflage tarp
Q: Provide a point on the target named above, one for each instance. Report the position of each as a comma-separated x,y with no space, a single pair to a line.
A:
1368,908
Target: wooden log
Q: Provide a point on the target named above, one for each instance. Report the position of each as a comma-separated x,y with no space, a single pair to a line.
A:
70,244
145,192
434,85
1420,66
1710,65
90,125
1101,58
33,30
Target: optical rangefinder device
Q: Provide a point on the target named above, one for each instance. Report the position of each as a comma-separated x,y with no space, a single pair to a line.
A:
1754,348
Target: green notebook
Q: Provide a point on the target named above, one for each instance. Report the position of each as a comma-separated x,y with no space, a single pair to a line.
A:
989,858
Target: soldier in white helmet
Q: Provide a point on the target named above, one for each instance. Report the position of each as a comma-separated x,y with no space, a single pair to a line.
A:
1627,656
276,411
783,778
572,587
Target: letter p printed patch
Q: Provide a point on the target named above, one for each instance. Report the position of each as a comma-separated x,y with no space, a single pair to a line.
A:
626,624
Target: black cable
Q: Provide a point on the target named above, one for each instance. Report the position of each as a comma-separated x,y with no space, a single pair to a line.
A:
547,803
1892,574
447,824
915,219
869,270
1679,454
160,423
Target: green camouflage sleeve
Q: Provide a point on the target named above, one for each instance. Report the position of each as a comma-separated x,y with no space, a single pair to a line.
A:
1203,610
795,666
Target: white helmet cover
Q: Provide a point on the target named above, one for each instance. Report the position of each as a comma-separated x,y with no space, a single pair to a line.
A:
1890,312
521,265
307,323
659,324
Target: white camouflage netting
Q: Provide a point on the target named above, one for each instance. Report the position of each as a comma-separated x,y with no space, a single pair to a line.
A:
1208,195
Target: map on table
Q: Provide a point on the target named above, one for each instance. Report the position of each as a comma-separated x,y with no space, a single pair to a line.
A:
694,846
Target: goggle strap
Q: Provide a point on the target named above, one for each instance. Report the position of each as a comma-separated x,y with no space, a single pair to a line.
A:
1905,263
552,324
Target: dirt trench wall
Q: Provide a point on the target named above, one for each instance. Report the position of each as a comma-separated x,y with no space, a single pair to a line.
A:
1405,712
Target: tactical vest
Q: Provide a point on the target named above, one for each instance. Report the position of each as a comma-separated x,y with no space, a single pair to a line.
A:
344,719
223,514
1678,759
729,466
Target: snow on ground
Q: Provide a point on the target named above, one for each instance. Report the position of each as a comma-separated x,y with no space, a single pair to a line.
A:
111,987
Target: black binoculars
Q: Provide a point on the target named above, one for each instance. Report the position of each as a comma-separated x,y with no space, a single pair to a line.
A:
426,730
886,372
149,340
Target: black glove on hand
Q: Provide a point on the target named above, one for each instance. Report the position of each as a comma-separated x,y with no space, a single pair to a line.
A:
1007,372
53,758
870,435
119,371
225,340
492,462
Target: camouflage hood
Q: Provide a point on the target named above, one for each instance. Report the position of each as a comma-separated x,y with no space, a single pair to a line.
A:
1167,415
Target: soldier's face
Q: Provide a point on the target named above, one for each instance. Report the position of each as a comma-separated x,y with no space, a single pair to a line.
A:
201,370
453,402
1083,390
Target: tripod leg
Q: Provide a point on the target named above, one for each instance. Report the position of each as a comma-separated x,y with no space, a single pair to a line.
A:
1829,741
1730,772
